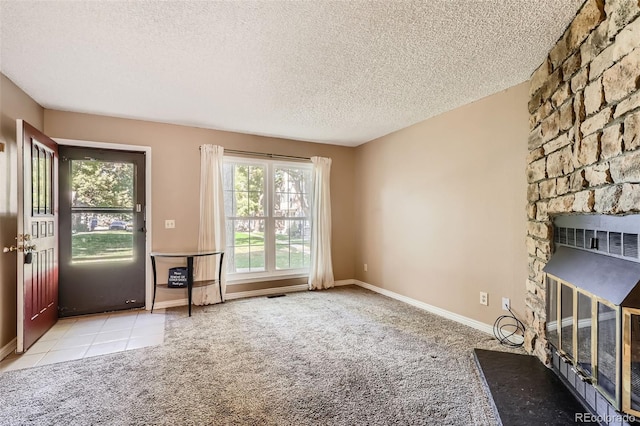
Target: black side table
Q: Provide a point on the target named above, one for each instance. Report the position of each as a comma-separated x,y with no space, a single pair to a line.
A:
190,283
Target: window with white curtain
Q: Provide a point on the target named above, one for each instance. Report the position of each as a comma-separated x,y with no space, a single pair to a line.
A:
267,208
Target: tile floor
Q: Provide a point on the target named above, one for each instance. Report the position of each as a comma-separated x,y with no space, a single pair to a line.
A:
92,335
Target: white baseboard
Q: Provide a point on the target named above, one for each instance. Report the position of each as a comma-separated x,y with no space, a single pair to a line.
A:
478,325
8,349
266,291
169,304
251,293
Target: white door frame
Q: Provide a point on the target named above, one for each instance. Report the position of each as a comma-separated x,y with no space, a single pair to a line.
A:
148,293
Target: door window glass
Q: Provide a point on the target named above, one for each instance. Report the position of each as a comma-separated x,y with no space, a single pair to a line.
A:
101,236
102,184
41,176
102,211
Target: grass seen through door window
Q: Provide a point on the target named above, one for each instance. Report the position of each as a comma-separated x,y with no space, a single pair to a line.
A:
102,245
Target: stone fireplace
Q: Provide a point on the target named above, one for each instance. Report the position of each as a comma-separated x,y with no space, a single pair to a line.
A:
584,155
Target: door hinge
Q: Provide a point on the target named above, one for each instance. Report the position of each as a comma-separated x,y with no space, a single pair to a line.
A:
138,208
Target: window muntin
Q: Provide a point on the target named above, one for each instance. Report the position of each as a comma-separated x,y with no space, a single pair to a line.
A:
267,208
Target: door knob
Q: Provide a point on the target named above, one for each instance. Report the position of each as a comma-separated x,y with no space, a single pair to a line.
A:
21,247
27,248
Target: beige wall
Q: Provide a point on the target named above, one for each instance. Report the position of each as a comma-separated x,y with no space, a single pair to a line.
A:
176,169
441,207
14,103
402,203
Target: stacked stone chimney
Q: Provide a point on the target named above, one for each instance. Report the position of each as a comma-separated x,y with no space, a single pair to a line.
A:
584,154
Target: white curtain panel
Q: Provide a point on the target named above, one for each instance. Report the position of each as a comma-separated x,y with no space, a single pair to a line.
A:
321,270
212,224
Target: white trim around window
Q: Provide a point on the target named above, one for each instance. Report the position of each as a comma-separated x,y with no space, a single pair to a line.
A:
277,215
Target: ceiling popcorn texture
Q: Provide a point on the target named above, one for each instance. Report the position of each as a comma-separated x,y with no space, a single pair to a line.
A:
339,72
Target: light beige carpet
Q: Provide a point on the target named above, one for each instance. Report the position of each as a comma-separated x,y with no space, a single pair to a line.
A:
345,356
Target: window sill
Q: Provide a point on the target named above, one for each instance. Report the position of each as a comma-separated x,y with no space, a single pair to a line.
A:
244,279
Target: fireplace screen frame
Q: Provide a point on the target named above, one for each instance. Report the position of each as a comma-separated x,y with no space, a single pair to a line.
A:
626,360
575,359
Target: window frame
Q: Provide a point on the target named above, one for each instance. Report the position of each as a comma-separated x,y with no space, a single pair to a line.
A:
270,273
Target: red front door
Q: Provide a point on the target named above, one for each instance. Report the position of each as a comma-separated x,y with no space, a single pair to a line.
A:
37,241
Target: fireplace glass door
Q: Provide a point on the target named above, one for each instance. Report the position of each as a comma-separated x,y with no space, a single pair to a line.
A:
631,361
552,311
584,326
566,320
607,350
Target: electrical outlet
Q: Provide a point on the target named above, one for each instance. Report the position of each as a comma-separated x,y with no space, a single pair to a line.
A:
484,298
366,268
169,224
506,304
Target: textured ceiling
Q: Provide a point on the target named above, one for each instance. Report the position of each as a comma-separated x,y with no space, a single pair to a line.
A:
340,72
